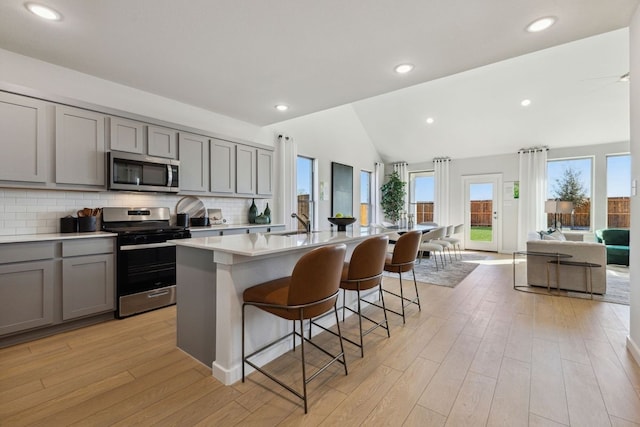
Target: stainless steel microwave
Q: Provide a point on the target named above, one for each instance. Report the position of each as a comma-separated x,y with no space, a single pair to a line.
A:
137,172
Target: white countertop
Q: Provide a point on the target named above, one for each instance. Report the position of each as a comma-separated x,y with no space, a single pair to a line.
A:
258,244
21,238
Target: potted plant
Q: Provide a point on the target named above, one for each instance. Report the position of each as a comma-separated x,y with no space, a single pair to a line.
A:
393,193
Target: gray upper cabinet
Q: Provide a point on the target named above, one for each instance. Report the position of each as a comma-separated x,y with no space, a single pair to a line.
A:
194,162
265,172
25,145
223,166
162,142
126,135
80,147
245,170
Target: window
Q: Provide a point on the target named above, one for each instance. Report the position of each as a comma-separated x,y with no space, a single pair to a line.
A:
365,198
304,186
421,195
618,191
570,180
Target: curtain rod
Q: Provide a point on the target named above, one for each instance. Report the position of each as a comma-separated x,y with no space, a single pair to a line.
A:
533,149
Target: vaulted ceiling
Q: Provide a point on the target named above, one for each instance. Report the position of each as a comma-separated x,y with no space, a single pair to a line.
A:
240,58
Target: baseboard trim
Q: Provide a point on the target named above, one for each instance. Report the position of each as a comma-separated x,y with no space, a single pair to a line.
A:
634,349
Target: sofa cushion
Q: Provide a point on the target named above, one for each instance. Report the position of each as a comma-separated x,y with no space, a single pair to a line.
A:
616,237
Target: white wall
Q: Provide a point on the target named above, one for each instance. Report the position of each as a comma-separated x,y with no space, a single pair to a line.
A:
332,135
54,80
634,260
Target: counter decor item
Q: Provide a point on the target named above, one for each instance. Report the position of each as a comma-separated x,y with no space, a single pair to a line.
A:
68,224
215,217
182,220
253,212
87,219
194,208
267,213
342,222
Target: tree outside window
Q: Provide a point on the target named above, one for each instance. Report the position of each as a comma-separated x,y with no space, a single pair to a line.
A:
570,180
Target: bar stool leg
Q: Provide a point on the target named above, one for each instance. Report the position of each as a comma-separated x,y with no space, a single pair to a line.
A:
360,322
415,284
401,298
384,309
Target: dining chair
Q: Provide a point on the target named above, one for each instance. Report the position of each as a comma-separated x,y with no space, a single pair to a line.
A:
310,291
440,239
455,241
426,244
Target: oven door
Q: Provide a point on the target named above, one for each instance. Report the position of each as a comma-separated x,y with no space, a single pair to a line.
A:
146,277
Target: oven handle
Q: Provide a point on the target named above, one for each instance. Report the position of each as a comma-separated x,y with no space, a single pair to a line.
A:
146,246
158,294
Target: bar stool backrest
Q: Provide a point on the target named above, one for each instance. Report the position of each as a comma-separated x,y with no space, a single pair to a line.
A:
406,248
316,276
367,261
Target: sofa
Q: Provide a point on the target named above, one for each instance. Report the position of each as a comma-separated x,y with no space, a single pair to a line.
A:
571,278
617,242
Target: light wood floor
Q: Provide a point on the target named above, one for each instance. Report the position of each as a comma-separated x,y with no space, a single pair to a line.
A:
478,354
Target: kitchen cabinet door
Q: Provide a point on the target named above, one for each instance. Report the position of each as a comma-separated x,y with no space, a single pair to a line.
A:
245,170
126,135
223,166
80,147
25,145
26,295
88,285
265,172
162,142
194,162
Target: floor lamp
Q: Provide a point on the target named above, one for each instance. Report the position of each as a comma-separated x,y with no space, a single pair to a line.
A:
557,207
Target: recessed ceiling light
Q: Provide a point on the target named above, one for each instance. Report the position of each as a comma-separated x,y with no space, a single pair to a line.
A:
525,102
541,24
403,68
43,12
430,120
282,107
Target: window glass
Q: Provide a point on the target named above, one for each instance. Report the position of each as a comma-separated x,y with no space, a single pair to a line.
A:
618,191
365,198
569,180
304,186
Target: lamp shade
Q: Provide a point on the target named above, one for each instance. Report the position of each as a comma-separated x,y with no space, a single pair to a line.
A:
550,206
564,207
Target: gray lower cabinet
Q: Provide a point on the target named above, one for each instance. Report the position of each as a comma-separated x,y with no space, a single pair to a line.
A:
80,147
87,285
24,139
45,284
26,295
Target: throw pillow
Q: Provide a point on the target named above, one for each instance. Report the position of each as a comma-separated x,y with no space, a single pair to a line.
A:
554,235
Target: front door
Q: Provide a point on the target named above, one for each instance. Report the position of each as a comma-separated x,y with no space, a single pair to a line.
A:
481,212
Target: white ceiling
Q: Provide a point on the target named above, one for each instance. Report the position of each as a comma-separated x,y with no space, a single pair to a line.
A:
240,58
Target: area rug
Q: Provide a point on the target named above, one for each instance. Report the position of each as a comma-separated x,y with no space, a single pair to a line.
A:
452,274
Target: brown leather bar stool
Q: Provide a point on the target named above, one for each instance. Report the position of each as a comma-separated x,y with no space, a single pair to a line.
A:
401,260
361,273
310,291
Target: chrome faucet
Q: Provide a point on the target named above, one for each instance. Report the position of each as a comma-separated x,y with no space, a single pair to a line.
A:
306,221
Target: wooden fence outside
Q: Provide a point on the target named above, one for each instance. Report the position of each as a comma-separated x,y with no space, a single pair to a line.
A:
618,214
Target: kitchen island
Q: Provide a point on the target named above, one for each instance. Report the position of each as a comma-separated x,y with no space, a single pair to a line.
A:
212,274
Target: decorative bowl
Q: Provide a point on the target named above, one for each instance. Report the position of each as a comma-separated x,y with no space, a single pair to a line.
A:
341,222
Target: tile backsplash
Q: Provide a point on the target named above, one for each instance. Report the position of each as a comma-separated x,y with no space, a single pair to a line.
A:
39,211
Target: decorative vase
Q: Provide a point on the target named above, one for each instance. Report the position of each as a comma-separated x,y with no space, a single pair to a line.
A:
267,213
253,212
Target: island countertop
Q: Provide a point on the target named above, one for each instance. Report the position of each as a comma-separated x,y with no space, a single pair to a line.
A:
258,244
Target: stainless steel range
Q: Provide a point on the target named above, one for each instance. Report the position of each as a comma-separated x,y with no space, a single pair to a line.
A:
146,262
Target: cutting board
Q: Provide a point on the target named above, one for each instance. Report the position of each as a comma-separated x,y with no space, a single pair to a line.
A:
191,205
